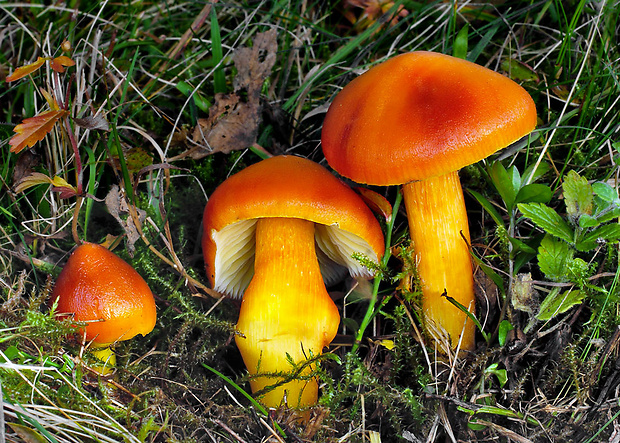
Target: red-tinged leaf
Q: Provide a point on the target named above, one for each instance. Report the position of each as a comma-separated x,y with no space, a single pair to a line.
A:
23,71
59,184
377,203
58,64
33,129
65,192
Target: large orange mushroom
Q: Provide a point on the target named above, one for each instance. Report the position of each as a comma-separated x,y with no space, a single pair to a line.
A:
103,291
415,120
272,233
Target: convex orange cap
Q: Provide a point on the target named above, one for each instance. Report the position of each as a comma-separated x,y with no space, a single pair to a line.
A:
289,187
98,287
388,126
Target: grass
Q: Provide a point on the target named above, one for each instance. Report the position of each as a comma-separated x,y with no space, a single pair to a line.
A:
546,364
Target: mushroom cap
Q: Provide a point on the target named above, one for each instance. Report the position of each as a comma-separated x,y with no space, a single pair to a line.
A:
97,285
420,115
288,187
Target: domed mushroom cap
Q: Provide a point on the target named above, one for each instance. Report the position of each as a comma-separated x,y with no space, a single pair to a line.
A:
420,115
98,287
288,187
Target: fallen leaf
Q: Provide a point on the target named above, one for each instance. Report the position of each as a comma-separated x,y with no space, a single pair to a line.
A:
59,184
118,208
97,121
23,71
233,119
27,434
58,64
34,129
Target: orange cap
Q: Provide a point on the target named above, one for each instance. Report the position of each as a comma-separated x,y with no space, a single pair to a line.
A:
100,288
289,187
420,115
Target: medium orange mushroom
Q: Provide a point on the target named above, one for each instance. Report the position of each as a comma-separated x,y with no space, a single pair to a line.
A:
272,233
102,290
415,120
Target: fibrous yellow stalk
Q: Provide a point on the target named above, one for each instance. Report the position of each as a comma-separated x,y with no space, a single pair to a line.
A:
106,357
440,233
285,310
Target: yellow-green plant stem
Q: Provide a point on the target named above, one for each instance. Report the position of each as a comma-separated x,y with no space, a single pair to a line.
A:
440,233
286,314
371,311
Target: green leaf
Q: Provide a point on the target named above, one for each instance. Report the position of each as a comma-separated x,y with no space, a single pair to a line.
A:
548,220
504,328
534,193
553,258
26,434
604,191
219,77
530,175
504,184
486,204
607,233
557,303
578,195
608,215
501,374
519,245
460,43
587,221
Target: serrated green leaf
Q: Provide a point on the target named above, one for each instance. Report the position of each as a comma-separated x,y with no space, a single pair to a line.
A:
503,183
486,204
553,258
548,220
534,193
604,191
556,303
578,195
608,215
608,233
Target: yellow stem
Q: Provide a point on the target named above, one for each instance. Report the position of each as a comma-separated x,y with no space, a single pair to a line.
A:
106,357
285,310
440,233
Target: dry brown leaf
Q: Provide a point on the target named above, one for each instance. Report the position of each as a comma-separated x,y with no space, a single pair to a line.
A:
117,206
23,71
233,121
97,121
33,129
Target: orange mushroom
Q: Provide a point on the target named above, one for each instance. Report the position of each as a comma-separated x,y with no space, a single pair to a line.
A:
415,120
102,290
272,233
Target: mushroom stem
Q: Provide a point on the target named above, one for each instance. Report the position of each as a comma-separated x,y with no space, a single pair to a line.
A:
106,357
440,233
285,310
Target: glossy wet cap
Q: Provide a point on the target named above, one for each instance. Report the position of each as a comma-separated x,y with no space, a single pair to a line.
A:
291,187
98,287
420,115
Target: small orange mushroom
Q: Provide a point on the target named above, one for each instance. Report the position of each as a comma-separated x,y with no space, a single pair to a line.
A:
272,233
102,290
415,120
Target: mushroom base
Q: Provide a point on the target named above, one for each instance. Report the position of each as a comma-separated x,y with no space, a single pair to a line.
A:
286,314
440,234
